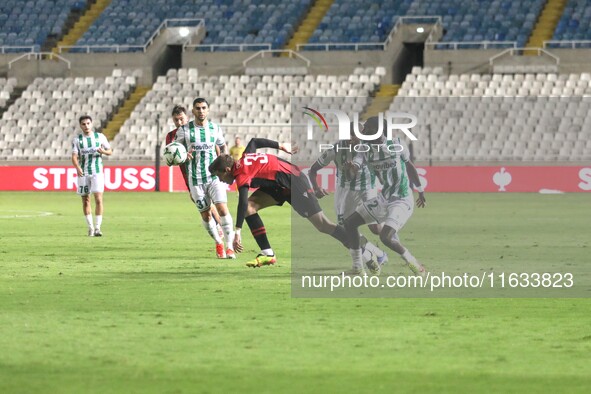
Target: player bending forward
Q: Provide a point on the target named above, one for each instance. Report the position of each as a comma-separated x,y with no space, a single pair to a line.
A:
350,193
277,181
390,162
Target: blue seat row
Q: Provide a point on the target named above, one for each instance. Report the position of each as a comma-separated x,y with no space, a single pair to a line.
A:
227,21
575,22
467,20
29,23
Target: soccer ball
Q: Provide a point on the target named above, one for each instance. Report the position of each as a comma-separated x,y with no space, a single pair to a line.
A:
175,154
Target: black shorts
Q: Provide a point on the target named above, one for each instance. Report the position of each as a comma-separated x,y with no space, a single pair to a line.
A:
301,196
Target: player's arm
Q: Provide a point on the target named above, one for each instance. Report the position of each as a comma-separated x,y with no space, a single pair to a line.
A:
77,164
260,143
325,158
104,151
351,168
75,158
105,148
240,215
413,176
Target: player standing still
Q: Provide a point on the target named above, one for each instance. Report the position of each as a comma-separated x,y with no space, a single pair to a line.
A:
87,150
201,136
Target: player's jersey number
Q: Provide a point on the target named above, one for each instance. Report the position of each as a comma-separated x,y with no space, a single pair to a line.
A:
250,158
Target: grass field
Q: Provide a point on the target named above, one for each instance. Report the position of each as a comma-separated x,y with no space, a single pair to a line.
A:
147,309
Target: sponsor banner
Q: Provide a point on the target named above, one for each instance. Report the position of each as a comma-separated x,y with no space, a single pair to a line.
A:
492,179
63,178
434,179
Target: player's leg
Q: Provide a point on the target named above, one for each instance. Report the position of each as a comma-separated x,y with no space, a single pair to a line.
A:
377,257
351,225
87,210
258,200
97,188
203,205
84,192
304,202
216,191
98,214
216,217
399,212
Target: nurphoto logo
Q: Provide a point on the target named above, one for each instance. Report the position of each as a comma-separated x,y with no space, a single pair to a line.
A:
344,121
401,121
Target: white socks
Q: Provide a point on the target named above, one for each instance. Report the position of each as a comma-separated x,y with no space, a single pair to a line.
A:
228,228
99,221
268,252
212,230
356,257
409,258
88,220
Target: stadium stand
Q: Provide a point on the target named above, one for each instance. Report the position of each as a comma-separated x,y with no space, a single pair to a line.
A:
520,117
41,123
6,89
28,23
236,99
575,22
126,22
366,21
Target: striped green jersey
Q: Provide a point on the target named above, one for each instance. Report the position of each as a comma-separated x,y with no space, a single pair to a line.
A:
341,153
388,162
202,140
86,146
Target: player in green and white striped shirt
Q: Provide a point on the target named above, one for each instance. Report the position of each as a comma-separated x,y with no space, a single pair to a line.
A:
390,162
87,150
350,192
201,137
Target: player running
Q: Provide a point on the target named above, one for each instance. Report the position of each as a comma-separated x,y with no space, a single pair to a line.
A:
390,162
87,150
350,193
180,118
278,181
201,136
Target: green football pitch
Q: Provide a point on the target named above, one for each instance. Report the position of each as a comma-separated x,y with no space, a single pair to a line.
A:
148,309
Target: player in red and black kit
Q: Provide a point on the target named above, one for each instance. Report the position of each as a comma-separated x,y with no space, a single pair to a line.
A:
180,118
277,181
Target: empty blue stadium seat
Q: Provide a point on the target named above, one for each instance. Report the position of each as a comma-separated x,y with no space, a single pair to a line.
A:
226,21
32,21
468,20
575,22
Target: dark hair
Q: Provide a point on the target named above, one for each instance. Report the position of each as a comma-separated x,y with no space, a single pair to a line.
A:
373,124
84,117
178,109
220,163
200,100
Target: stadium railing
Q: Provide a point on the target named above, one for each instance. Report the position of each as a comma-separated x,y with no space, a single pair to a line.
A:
273,51
39,56
352,46
454,45
167,23
569,44
18,49
227,47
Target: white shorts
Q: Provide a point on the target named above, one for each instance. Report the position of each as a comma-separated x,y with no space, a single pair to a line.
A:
394,212
205,194
346,201
90,184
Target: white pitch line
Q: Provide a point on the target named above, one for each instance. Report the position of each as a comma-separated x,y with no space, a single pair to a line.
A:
23,214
